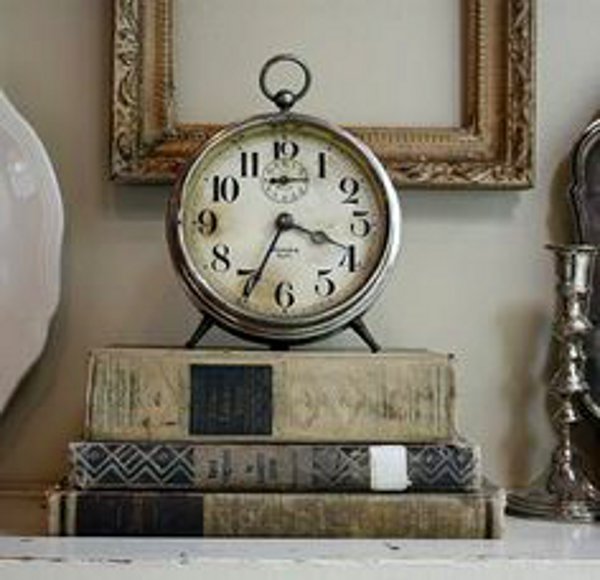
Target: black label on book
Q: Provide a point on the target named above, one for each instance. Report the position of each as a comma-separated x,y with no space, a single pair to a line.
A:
125,513
231,400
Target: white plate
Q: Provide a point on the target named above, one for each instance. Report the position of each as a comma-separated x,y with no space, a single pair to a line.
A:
31,231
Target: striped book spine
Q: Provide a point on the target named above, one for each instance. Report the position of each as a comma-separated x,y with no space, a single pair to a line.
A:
300,396
475,515
283,467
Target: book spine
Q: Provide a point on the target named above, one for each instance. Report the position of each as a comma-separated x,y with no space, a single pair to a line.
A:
147,395
283,467
104,513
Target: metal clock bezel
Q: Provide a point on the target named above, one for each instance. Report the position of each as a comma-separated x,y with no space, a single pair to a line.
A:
267,329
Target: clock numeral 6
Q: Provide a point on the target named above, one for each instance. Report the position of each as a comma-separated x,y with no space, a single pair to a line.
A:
284,295
360,226
350,187
285,149
225,189
325,285
206,222
221,261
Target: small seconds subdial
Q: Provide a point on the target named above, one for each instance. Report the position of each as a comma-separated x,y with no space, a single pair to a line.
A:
284,180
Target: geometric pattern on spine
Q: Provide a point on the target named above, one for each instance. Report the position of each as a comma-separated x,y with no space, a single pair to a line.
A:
443,467
339,467
140,465
334,467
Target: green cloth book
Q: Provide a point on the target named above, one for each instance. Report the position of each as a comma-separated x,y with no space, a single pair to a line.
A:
475,515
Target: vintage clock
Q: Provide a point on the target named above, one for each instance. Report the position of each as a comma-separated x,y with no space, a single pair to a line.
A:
284,227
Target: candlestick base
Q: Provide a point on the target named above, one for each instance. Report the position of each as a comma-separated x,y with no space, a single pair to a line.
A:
561,494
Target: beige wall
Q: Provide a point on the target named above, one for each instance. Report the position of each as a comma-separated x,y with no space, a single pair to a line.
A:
473,277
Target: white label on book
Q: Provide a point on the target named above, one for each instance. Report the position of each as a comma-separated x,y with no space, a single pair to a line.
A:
389,467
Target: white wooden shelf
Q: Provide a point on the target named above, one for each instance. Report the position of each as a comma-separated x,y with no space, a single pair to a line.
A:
530,550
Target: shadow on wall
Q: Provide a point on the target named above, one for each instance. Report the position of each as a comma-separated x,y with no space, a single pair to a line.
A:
534,356
524,388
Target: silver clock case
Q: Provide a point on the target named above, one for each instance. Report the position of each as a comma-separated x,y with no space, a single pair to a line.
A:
268,329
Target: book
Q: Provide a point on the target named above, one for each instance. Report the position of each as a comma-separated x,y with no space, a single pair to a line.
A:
300,396
274,467
475,515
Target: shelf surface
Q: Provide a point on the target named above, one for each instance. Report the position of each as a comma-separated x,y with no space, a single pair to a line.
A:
530,549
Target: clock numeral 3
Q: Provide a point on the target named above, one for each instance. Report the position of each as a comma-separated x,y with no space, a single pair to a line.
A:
325,285
225,189
249,164
360,226
221,261
285,149
350,187
206,222
284,295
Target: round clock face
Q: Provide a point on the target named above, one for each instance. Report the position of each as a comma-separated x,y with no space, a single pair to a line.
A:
283,228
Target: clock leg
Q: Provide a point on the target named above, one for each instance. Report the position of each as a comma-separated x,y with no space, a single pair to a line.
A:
359,326
205,325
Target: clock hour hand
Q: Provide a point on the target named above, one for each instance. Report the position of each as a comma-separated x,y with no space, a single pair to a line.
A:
283,222
317,236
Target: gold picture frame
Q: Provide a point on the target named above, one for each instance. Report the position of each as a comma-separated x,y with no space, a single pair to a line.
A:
493,148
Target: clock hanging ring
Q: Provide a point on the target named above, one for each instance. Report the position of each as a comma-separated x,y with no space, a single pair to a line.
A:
284,227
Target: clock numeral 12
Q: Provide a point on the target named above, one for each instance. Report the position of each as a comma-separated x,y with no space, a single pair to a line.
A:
285,149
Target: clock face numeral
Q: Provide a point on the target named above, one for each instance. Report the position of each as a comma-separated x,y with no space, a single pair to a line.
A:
207,222
285,149
284,295
350,186
221,261
360,226
249,166
349,261
322,172
225,189
325,285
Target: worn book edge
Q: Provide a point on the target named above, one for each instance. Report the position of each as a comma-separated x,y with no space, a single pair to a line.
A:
485,506
444,426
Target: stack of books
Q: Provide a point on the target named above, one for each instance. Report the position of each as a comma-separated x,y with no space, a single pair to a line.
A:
264,444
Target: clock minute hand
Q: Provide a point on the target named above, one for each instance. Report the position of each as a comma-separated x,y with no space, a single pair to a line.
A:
282,222
284,180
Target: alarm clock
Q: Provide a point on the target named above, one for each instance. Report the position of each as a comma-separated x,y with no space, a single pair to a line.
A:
284,227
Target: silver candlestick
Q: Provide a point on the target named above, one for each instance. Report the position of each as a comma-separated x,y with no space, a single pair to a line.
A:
563,492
